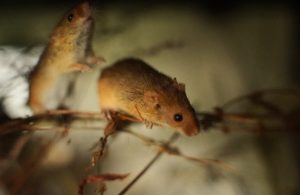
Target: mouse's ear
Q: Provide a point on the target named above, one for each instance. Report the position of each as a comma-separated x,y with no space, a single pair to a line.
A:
180,86
151,98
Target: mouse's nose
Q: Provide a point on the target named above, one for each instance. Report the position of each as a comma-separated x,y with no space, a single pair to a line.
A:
84,9
191,132
192,128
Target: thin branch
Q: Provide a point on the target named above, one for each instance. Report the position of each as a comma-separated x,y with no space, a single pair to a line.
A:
20,179
18,146
154,159
27,124
100,179
166,148
294,92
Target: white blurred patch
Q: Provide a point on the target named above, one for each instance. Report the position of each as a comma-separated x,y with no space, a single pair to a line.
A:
15,65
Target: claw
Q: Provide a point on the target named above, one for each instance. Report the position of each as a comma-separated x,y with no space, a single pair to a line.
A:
148,124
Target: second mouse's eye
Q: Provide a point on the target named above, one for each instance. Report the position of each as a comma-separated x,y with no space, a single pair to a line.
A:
178,117
157,106
70,17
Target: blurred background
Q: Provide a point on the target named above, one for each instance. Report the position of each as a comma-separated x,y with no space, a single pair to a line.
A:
219,49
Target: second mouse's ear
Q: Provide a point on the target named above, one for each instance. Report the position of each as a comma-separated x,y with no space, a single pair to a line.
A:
151,98
179,86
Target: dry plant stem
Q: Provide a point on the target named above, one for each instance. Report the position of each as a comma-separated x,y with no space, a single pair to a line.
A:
207,161
154,159
113,124
211,119
166,148
295,92
242,118
100,179
28,123
160,47
30,167
18,146
256,98
110,128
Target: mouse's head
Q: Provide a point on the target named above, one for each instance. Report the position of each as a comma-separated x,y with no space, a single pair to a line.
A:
76,19
173,108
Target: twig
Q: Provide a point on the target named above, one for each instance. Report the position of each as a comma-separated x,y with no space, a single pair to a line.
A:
31,166
294,92
154,159
18,146
110,129
160,47
100,179
166,148
27,124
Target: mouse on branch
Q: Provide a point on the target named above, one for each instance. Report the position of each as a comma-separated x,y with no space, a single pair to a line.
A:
68,50
133,87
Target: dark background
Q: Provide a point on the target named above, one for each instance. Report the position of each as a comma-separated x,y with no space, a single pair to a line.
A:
272,148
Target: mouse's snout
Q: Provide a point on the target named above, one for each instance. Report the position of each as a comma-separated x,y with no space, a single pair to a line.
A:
191,131
191,128
84,9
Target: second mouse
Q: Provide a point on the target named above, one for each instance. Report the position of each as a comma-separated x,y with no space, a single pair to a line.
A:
134,87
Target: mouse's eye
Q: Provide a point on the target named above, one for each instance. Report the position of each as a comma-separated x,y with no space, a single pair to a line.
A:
157,106
178,117
70,17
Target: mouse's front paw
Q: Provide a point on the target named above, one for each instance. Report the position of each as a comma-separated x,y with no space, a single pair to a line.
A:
148,124
95,60
20,112
80,67
27,112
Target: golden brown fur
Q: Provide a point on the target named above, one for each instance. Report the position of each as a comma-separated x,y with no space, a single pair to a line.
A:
68,50
134,87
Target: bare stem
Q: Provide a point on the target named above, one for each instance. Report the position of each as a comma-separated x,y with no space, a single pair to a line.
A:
153,160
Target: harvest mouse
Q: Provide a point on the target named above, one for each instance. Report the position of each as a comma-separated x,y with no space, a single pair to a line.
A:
69,49
134,87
